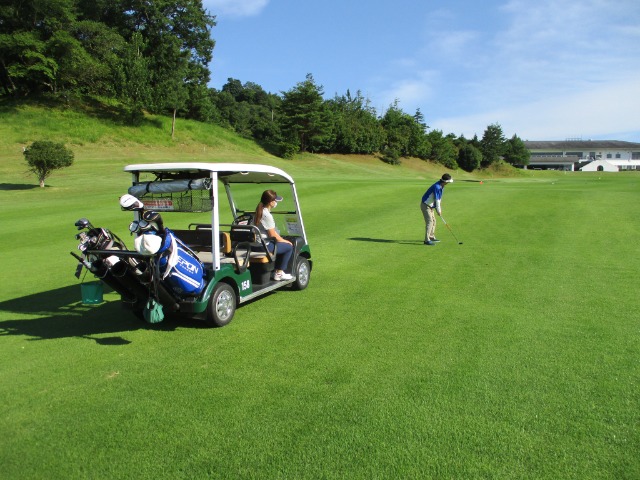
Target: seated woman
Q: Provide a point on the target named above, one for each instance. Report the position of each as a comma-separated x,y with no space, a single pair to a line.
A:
267,225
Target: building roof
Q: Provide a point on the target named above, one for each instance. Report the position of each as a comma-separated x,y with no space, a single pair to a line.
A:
570,145
556,159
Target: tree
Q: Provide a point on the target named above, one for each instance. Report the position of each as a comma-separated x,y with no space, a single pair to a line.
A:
176,97
469,157
234,88
127,49
492,144
43,157
76,68
26,66
200,106
45,46
177,44
304,116
248,109
443,150
419,145
133,84
406,134
171,91
398,127
355,128
107,49
516,153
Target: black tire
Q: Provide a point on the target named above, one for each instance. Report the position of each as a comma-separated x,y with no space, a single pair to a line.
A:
303,274
222,305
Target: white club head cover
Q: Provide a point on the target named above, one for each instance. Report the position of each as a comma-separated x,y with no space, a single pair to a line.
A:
129,202
147,244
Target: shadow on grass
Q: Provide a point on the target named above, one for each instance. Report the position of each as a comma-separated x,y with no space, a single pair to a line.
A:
118,115
62,315
17,186
385,240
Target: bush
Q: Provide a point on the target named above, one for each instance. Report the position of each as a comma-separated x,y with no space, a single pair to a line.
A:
44,157
469,157
288,149
391,156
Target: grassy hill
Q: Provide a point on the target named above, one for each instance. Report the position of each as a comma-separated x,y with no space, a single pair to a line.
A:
96,132
92,132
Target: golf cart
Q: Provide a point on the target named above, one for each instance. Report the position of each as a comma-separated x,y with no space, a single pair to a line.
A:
208,267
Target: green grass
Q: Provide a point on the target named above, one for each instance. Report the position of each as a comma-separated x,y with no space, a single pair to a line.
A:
514,355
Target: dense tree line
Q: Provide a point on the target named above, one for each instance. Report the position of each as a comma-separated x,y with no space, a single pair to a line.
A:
150,55
154,56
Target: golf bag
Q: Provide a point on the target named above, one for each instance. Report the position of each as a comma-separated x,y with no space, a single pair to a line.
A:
180,270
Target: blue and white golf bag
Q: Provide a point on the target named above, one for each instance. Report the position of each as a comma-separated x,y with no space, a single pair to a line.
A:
180,270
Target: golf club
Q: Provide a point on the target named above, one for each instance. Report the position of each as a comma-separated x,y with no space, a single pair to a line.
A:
449,228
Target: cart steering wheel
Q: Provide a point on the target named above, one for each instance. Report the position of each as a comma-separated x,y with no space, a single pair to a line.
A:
244,219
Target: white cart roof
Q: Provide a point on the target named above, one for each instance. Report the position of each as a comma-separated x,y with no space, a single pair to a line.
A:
226,172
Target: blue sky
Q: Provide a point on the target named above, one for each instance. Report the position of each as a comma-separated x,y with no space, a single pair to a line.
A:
542,69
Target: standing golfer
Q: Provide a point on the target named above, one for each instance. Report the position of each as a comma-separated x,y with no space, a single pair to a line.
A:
430,202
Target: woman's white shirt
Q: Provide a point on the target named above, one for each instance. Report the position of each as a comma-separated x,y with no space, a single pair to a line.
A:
266,223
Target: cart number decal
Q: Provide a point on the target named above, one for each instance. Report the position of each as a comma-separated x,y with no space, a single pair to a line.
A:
245,285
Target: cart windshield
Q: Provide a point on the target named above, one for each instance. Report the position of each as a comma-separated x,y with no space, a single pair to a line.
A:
244,199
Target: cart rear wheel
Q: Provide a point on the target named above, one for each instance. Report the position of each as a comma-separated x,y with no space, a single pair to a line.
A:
222,305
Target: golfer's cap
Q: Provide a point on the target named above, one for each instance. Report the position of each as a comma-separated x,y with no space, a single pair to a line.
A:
147,244
446,178
278,198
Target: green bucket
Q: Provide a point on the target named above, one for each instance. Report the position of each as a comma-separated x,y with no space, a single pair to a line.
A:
91,293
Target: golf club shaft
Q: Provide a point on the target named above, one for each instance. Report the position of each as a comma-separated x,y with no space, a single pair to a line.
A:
449,228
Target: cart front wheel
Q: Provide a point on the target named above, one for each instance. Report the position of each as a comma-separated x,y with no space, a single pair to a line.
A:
303,274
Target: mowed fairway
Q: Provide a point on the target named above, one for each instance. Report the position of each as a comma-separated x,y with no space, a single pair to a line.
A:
514,355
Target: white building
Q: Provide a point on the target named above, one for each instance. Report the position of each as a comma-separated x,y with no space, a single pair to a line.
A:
584,155
600,166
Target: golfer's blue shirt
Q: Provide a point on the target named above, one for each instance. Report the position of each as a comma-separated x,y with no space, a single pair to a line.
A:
433,196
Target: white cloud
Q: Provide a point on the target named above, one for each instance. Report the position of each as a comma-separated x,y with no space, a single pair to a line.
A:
598,112
409,91
552,69
238,8
453,45
576,39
